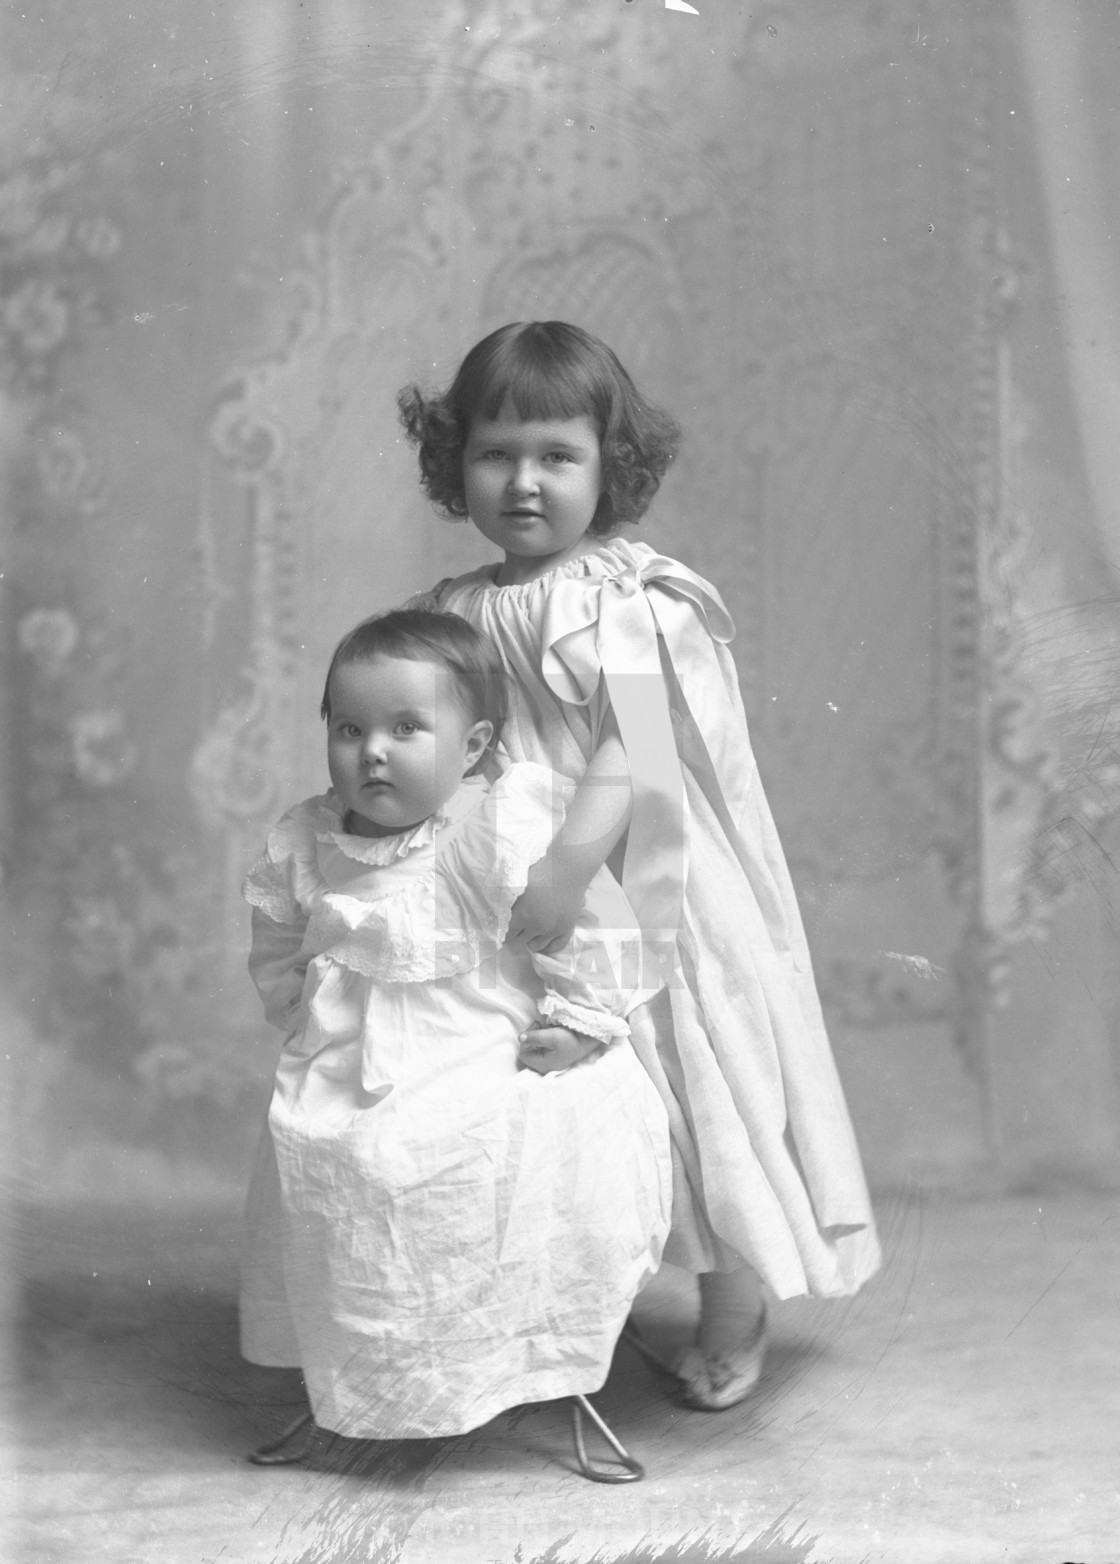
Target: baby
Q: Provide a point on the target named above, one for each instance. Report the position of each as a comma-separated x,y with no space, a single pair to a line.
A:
435,1232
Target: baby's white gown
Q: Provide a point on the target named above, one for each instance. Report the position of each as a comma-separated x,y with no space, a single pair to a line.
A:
449,1235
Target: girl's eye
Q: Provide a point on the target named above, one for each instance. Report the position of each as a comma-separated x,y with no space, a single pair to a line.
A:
560,456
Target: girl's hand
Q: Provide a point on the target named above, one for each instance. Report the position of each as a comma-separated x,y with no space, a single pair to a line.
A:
548,1048
545,913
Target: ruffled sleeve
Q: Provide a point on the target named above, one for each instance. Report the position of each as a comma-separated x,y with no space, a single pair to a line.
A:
285,881
484,866
603,972
282,888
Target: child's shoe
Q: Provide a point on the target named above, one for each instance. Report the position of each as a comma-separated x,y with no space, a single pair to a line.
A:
714,1381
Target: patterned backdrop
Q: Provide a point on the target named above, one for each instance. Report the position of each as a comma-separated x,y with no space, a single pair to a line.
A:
791,224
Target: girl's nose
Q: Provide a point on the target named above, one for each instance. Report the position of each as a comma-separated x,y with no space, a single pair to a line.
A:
523,479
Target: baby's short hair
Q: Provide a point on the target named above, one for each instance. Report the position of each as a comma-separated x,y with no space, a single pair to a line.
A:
545,370
423,635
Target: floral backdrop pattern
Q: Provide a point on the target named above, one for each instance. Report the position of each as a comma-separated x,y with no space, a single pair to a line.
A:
201,289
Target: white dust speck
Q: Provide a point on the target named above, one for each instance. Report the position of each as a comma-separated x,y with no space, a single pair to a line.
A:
919,964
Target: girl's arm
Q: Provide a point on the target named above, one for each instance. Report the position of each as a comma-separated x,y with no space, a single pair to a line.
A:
592,983
546,912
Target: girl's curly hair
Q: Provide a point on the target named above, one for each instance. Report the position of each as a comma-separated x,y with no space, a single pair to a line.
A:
545,369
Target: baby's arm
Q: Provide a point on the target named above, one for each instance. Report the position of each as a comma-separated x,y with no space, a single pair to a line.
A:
546,912
278,966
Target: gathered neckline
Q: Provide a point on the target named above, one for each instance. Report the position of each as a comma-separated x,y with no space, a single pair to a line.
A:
619,552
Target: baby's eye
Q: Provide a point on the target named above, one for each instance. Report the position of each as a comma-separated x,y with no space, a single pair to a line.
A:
349,730
408,728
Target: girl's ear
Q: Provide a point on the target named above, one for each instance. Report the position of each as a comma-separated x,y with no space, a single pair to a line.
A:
478,742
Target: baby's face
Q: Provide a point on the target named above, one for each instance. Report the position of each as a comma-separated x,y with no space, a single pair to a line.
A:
399,742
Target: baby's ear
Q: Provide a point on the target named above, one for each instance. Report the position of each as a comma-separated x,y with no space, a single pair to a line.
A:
479,740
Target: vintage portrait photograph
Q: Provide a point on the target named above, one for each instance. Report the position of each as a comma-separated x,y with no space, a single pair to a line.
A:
560,781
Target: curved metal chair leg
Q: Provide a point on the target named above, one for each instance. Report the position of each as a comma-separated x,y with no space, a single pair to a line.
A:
625,1470
278,1452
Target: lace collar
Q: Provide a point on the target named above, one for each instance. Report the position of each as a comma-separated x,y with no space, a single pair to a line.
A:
378,851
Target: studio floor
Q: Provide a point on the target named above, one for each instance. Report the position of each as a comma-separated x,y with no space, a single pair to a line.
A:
965,1407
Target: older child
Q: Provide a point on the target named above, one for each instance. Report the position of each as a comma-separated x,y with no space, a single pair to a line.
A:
623,683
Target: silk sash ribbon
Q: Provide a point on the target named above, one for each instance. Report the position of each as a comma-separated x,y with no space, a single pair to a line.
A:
630,633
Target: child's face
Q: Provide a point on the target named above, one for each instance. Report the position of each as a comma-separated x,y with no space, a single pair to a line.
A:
399,742
533,486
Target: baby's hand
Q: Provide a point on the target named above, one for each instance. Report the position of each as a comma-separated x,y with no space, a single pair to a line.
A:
548,1048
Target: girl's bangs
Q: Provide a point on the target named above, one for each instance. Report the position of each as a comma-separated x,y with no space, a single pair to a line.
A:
535,389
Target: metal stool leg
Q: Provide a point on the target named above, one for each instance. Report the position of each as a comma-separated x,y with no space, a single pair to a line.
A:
625,1470
277,1453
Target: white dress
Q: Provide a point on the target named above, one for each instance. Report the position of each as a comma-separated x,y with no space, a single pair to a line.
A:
449,1235
767,1165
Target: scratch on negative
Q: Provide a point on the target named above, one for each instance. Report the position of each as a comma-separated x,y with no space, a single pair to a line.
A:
1042,1294
1056,1280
